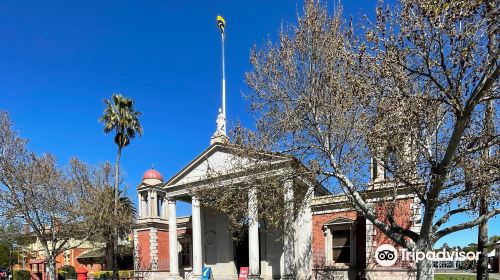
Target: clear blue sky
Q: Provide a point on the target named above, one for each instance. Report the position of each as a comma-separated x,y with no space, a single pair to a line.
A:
60,59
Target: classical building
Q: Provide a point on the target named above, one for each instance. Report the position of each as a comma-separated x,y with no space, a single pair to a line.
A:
326,238
329,239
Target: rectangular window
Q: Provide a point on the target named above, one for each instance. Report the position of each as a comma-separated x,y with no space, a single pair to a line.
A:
374,169
159,206
341,246
185,255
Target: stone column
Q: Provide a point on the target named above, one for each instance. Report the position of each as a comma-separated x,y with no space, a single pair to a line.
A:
153,248
197,248
165,207
253,236
370,243
150,203
288,240
172,239
139,205
144,204
154,204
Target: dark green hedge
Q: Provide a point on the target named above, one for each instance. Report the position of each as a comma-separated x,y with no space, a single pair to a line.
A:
67,272
21,275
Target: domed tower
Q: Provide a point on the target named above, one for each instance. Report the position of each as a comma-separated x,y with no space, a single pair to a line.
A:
151,196
151,228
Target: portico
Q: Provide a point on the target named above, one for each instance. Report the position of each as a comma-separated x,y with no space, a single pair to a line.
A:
267,256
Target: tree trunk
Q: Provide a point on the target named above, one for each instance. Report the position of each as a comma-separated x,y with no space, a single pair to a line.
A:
115,212
110,242
484,195
482,242
489,130
51,267
425,270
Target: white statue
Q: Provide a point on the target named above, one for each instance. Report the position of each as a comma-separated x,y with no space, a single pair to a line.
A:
221,124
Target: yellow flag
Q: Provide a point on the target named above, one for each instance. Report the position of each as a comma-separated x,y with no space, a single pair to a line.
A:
221,23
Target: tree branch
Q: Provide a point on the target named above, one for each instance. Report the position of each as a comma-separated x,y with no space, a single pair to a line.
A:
466,225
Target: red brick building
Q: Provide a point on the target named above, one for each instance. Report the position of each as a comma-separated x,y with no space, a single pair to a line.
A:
34,260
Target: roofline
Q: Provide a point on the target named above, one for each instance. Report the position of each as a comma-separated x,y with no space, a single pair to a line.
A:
185,168
214,147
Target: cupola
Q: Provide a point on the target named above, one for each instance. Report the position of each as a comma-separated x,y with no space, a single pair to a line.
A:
152,177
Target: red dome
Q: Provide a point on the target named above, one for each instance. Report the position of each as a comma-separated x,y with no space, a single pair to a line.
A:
152,174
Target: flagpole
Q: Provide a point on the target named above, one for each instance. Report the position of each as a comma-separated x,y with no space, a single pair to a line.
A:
223,81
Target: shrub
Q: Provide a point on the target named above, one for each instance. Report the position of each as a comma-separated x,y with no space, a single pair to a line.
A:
125,273
103,275
67,272
107,275
21,275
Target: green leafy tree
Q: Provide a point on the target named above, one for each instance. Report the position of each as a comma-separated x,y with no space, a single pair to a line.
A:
121,118
492,240
10,238
122,221
67,272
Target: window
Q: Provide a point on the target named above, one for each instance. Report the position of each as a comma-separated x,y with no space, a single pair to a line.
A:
341,246
66,257
340,242
185,254
374,169
159,206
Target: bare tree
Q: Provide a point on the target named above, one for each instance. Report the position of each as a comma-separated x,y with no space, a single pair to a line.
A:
488,131
409,93
58,204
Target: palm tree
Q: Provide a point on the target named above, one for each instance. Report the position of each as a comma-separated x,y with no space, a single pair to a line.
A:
120,117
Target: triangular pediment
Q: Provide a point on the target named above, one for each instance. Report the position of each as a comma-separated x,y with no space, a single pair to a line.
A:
220,160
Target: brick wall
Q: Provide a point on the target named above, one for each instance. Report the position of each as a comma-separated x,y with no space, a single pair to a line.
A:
163,250
318,237
144,249
403,216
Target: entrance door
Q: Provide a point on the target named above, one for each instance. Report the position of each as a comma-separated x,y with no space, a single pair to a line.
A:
240,246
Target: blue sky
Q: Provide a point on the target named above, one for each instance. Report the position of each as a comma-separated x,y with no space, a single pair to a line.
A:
60,59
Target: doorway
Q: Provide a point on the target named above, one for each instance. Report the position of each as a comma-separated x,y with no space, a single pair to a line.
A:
240,245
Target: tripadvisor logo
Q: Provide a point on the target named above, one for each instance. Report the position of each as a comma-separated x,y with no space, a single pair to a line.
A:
387,255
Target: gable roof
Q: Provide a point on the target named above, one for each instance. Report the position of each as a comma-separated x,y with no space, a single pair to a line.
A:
217,155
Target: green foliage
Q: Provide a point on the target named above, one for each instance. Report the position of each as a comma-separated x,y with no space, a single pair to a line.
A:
21,275
492,240
67,272
103,275
125,273
106,275
121,116
4,255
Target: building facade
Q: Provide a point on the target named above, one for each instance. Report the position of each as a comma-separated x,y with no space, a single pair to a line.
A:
329,239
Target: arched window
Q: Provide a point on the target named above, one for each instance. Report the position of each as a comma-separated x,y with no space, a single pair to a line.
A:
159,205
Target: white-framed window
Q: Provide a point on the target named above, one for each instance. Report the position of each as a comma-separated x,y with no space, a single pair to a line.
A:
340,242
67,257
